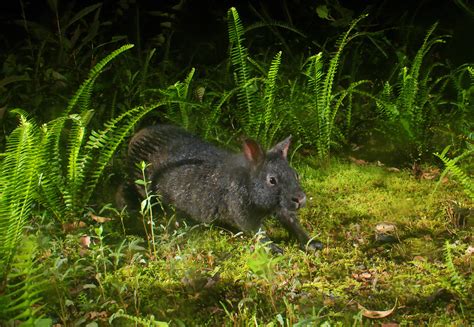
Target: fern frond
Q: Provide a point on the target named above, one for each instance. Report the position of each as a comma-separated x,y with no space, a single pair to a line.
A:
456,281
138,320
102,145
334,62
18,181
179,112
84,92
238,56
451,166
25,284
385,103
75,168
269,98
427,44
212,118
52,185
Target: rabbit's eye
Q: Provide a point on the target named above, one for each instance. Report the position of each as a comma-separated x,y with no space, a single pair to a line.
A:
272,180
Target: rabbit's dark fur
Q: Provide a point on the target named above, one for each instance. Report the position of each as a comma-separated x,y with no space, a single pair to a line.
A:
210,184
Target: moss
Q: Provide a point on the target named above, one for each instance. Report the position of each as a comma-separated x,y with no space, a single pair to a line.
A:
205,275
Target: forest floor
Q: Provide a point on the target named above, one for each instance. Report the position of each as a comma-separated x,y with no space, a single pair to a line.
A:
398,250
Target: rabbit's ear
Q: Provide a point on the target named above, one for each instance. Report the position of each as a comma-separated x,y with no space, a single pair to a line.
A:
253,152
282,147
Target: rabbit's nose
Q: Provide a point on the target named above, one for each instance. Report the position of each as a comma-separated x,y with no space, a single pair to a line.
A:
300,200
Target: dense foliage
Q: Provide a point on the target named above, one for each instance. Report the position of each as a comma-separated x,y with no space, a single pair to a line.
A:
72,94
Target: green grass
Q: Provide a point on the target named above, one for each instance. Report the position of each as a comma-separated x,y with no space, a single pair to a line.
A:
207,276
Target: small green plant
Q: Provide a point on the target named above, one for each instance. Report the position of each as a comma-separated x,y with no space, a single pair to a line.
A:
146,209
19,185
452,167
457,283
410,105
21,300
179,110
147,322
258,114
68,178
316,123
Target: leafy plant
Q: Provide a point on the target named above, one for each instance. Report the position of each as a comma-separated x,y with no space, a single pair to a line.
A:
410,105
146,209
22,298
257,112
316,123
138,320
63,173
459,125
18,182
453,168
180,104
456,283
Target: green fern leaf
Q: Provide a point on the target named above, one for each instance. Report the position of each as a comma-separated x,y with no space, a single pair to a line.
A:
238,56
18,181
451,166
23,297
84,92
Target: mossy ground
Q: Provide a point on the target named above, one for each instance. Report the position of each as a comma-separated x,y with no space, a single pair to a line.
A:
204,275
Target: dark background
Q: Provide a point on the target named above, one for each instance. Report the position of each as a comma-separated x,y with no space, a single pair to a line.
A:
199,27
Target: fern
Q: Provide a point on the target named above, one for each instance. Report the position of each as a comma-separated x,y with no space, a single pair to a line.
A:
138,320
268,115
179,103
413,106
258,113
102,145
456,282
22,297
319,128
83,94
451,166
18,182
238,55
68,178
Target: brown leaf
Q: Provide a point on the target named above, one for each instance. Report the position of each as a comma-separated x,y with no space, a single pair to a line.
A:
102,315
470,250
99,219
385,228
430,174
393,170
85,241
374,314
69,227
366,275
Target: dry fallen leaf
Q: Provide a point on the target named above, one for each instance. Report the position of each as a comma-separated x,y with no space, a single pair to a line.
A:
374,314
430,173
393,170
385,228
99,219
366,275
85,241
69,227
470,250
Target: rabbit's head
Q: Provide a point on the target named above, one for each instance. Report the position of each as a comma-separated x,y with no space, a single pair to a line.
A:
274,185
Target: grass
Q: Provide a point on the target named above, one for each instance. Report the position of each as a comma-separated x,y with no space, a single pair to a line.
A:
205,275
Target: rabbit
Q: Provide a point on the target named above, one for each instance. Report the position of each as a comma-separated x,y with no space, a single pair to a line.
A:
212,185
